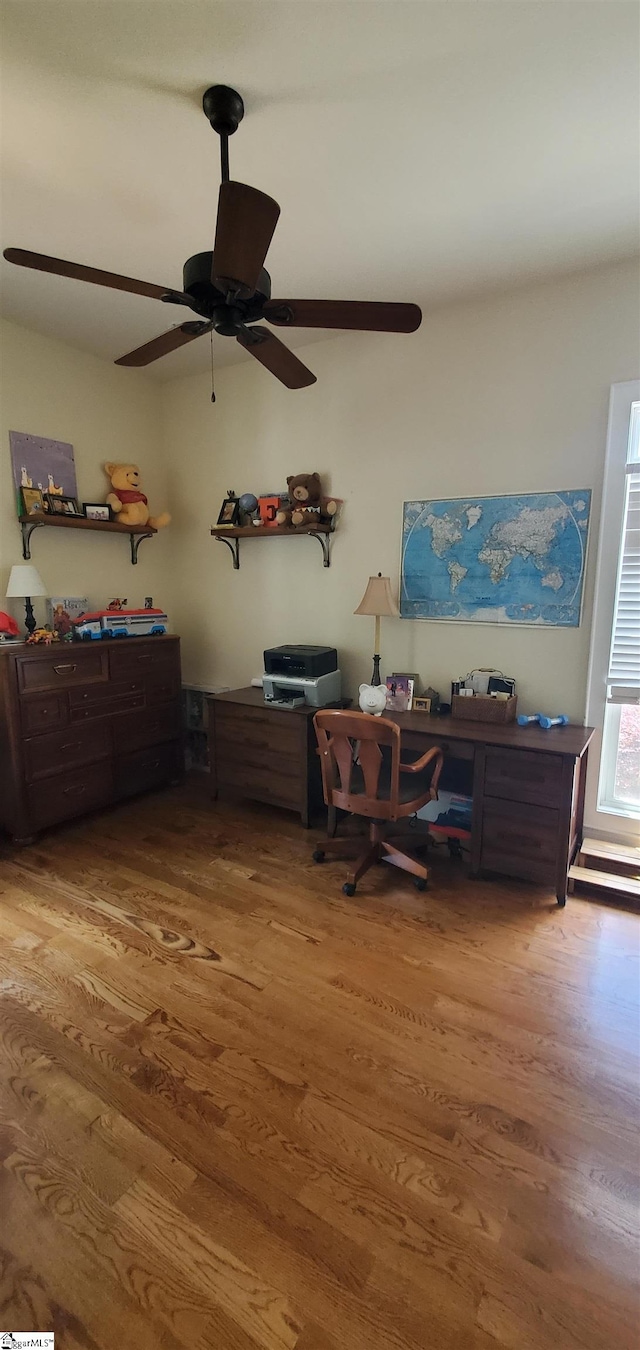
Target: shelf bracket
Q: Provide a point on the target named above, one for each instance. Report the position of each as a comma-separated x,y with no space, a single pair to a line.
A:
136,540
27,528
323,540
234,545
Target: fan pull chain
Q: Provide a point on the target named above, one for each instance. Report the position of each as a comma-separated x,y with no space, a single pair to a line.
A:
213,393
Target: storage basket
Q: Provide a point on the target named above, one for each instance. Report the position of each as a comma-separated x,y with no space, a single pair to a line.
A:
483,708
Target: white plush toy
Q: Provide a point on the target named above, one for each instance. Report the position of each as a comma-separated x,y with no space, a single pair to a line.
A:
373,698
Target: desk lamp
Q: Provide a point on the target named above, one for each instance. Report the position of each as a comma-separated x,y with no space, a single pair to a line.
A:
24,582
378,600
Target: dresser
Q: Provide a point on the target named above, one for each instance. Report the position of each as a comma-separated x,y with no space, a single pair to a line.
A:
262,752
83,725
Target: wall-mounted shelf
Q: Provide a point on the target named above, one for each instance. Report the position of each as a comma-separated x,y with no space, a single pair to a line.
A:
136,533
232,534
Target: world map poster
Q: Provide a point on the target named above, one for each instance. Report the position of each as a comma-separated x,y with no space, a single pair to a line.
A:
515,559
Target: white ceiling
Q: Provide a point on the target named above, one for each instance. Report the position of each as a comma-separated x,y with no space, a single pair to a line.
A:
419,151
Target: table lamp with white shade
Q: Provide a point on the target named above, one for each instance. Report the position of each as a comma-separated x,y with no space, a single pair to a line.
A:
378,600
24,583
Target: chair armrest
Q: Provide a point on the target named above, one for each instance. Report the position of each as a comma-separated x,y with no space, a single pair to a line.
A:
419,764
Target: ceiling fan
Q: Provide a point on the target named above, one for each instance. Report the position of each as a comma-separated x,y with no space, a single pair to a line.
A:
229,288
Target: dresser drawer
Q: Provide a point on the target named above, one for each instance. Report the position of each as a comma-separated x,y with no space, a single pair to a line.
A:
106,707
105,693
43,712
61,669
70,794
60,751
520,840
156,657
147,769
136,730
163,687
524,776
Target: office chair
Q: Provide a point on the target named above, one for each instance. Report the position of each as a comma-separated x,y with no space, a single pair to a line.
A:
362,773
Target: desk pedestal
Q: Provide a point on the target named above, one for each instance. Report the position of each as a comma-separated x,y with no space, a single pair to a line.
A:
528,792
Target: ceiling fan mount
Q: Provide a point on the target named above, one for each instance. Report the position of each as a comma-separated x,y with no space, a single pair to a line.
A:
228,286
224,108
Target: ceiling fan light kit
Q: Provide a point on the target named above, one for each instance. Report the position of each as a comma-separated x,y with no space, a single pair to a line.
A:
229,288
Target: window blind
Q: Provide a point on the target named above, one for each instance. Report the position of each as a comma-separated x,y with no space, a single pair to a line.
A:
624,664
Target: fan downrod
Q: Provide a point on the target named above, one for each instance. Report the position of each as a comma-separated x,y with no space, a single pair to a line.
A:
224,108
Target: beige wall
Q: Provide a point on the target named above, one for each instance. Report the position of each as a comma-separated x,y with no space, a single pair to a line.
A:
51,389
503,394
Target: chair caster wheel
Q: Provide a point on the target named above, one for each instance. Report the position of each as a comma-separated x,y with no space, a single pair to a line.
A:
318,855
421,884
562,902
349,888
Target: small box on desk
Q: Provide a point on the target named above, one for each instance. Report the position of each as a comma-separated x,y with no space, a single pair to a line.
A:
484,708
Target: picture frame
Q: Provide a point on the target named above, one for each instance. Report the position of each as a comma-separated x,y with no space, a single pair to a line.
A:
38,462
422,704
268,507
59,505
33,502
97,511
229,513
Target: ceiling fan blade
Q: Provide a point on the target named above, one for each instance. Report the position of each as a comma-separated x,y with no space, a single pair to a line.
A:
244,230
277,358
364,315
42,263
161,346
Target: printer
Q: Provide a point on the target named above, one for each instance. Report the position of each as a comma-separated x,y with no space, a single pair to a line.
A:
301,674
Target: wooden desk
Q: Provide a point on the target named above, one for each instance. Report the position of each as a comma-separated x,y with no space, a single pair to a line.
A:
528,791
264,752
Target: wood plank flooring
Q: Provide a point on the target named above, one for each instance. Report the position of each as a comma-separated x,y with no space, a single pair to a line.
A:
243,1112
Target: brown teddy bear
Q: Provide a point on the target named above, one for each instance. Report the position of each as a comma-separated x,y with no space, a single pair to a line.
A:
128,503
308,506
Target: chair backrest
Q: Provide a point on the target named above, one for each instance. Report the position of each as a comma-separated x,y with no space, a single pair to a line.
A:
338,733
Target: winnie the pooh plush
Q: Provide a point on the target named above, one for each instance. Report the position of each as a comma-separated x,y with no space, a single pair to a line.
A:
308,506
128,503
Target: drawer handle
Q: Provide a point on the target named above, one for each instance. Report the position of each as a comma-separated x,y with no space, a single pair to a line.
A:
72,745
144,656
79,788
70,665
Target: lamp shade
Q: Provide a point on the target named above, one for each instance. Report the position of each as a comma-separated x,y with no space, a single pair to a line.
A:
25,580
378,599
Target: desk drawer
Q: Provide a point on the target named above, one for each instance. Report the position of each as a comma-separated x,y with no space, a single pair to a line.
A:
62,669
43,712
415,741
60,751
524,776
257,731
263,783
520,840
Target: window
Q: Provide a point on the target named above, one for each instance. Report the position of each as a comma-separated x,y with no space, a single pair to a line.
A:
619,582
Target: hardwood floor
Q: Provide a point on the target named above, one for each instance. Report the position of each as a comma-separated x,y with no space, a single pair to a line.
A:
242,1111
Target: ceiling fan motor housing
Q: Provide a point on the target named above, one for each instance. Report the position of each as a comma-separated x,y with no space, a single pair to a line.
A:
228,317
